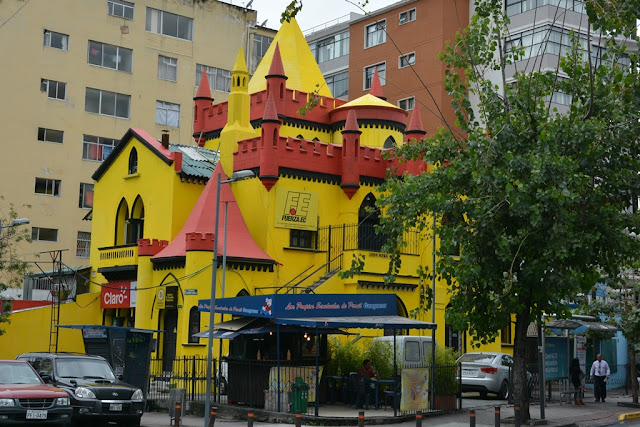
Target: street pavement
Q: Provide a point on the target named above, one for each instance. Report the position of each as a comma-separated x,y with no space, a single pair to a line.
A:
556,415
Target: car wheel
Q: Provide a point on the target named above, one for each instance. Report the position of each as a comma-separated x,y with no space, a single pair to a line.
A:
483,394
504,390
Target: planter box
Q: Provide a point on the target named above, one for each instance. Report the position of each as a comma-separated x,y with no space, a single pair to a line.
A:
446,403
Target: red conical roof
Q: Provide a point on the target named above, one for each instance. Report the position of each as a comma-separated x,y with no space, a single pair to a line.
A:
276,68
270,111
352,122
415,124
204,91
376,87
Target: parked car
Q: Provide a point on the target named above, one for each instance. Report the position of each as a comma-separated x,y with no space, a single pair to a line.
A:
486,372
97,395
26,399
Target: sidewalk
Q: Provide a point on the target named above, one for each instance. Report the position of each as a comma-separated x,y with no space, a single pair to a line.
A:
556,415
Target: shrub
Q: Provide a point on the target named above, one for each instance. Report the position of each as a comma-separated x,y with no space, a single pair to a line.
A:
381,356
446,372
343,357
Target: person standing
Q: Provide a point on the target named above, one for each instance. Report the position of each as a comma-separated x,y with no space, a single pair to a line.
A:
600,374
576,375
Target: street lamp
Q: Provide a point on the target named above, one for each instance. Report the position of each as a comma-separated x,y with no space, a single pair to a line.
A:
15,222
237,176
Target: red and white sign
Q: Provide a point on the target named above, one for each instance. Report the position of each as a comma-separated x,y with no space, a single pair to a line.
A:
116,295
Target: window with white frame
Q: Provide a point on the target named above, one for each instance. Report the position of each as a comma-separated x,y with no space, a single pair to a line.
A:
86,196
96,147
120,8
407,103
83,244
44,234
107,103
167,114
219,79
110,56
56,40
167,68
515,7
50,135
407,60
369,71
169,24
407,16
48,186
260,45
375,33
338,84
53,89
332,47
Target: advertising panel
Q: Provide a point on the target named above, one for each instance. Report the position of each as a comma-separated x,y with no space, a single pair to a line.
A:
296,209
116,295
555,356
415,389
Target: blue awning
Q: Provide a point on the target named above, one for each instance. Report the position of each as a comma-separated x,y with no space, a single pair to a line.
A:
376,322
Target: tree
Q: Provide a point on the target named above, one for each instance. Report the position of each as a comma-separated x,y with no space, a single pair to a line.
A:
12,265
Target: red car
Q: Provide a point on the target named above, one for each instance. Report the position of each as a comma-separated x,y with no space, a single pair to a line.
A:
26,399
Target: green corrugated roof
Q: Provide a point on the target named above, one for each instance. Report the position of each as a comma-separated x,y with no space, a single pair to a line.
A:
197,161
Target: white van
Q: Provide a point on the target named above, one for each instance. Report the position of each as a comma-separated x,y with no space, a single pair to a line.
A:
413,351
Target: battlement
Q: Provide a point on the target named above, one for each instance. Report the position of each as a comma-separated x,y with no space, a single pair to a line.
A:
148,247
196,241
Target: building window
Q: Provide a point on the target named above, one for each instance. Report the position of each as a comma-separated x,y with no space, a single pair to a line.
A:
515,7
53,89
120,8
107,103
505,335
369,71
167,68
47,186
219,79
302,239
86,196
83,244
56,40
96,147
338,84
332,47
169,24
50,135
133,162
390,142
194,325
167,114
260,45
44,234
407,103
407,60
110,56
375,34
408,16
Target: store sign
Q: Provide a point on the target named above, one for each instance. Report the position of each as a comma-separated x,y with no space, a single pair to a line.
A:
306,305
167,298
296,209
160,298
116,295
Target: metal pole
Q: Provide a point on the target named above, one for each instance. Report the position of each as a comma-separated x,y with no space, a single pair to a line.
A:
212,304
224,269
472,418
497,416
395,375
317,372
541,375
433,319
278,363
418,418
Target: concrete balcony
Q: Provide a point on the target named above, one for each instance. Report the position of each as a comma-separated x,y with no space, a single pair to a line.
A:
114,256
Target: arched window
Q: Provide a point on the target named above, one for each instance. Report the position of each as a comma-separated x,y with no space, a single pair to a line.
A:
368,218
122,217
135,224
194,325
390,143
133,161
401,309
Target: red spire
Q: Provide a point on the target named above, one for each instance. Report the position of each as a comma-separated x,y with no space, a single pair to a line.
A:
270,111
415,124
276,68
204,91
376,87
352,122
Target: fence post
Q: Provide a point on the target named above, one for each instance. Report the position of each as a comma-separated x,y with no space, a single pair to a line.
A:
418,418
298,419
361,419
250,419
472,418
212,416
516,411
178,415
497,416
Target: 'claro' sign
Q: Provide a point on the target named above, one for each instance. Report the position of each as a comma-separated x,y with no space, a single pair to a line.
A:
118,295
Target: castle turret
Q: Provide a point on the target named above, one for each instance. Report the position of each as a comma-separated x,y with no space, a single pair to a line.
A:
202,101
376,87
415,130
269,144
277,81
238,126
350,150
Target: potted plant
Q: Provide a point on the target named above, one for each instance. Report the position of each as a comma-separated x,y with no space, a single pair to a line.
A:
446,383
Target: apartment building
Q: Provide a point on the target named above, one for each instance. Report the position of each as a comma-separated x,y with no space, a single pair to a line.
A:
79,74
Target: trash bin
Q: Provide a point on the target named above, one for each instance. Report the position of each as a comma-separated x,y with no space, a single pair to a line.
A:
299,396
176,395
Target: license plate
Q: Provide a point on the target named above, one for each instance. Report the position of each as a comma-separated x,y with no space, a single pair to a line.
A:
36,415
469,373
115,406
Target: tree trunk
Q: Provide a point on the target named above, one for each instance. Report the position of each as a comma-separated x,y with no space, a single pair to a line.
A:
520,383
633,374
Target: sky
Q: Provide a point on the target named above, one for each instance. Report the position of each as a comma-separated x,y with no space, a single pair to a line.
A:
313,13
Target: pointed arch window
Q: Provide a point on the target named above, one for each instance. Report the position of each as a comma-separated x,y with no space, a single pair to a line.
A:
390,142
122,217
133,162
194,325
368,219
135,224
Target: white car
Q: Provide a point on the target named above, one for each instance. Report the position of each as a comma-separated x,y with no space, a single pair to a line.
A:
486,372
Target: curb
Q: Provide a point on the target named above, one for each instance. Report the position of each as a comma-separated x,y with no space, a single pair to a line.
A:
629,416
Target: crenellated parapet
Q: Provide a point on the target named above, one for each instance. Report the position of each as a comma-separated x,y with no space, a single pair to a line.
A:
148,247
196,241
